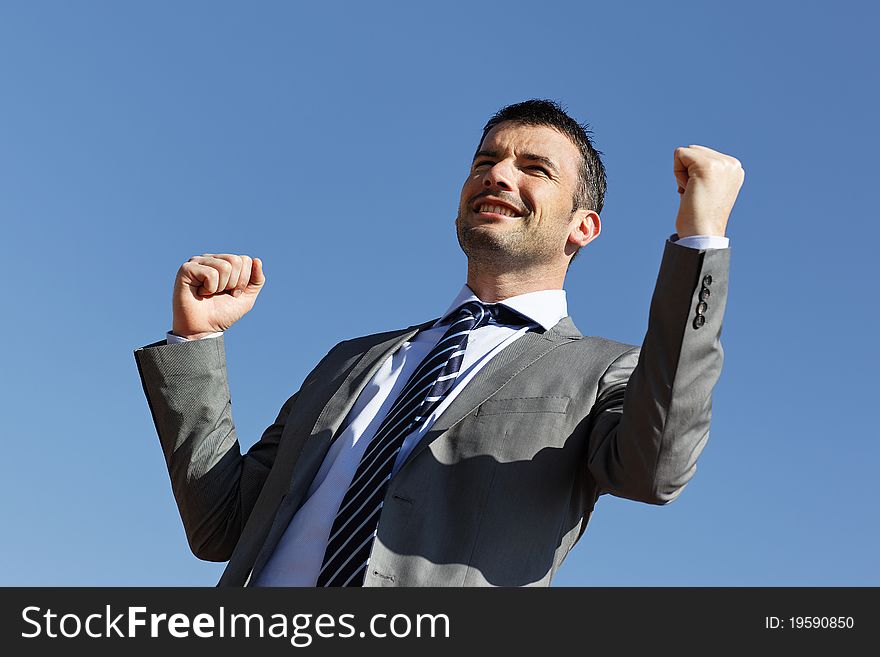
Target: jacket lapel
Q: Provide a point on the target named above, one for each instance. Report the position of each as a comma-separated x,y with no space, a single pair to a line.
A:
294,472
338,406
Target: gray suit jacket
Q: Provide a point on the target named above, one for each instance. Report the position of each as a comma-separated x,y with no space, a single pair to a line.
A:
502,486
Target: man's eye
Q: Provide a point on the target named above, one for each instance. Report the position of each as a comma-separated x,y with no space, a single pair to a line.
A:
539,169
482,163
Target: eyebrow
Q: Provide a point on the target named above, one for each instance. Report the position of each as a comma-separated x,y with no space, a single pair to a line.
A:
547,162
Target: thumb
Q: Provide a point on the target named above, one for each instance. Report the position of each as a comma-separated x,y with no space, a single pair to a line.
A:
257,276
681,177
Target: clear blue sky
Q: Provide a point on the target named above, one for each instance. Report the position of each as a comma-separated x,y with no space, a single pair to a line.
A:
331,140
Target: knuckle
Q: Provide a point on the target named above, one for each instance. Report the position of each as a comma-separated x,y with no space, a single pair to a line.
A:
244,279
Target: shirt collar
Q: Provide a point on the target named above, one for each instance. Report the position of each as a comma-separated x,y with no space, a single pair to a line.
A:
544,307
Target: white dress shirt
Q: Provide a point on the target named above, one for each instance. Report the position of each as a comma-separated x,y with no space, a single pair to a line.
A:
300,551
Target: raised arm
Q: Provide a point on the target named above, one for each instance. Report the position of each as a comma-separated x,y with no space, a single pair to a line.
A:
215,486
653,409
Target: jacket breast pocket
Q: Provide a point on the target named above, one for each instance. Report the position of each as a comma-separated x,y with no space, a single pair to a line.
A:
519,428
524,405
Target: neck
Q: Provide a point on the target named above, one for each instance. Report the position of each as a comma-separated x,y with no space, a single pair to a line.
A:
493,286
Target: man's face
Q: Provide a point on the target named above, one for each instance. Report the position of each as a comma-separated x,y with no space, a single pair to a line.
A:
516,203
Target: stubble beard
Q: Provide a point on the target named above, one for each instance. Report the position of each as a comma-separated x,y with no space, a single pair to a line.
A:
521,247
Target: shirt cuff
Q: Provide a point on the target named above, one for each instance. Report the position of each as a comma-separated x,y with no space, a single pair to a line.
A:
170,338
701,242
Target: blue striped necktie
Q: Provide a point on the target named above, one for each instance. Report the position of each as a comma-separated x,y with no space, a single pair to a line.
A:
356,523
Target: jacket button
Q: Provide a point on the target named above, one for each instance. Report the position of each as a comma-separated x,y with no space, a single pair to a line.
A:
707,280
699,320
704,294
702,307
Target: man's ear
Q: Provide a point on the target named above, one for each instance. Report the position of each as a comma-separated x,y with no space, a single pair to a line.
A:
586,226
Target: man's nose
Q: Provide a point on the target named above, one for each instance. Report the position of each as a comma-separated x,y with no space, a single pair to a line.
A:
500,176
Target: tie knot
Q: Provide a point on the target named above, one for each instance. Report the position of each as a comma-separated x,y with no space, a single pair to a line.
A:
484,312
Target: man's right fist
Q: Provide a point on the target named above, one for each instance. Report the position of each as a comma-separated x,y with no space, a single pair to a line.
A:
213,291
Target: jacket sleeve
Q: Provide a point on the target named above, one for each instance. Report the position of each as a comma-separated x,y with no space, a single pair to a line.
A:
653,407
215,486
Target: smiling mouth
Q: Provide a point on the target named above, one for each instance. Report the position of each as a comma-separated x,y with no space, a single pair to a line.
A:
491,208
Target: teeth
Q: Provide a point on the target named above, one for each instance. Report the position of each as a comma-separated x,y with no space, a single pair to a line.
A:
496,209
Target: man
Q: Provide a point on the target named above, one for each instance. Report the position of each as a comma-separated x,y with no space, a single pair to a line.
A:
468,450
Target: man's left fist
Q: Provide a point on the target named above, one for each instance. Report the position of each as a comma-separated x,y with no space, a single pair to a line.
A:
708,182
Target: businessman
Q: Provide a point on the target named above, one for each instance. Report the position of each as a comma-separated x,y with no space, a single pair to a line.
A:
470,449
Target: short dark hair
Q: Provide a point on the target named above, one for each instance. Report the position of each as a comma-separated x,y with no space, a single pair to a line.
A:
591,188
